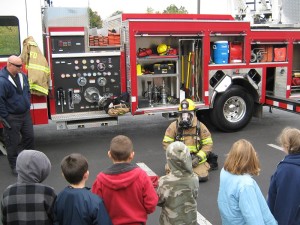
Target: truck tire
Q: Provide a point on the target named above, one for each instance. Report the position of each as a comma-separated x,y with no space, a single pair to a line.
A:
232,110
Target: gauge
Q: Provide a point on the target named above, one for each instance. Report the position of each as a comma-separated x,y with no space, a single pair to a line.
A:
102,81
81,81
101,66
92,95
76,98
83,61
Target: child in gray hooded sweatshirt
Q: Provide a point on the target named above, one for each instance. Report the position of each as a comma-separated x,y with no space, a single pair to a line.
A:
28,201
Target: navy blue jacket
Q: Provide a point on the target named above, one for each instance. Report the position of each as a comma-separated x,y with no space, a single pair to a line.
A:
11,101
79,206
284,194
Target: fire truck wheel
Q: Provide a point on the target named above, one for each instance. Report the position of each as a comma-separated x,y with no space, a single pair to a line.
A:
232,109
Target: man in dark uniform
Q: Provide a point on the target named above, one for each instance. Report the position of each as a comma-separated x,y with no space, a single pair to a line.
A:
15,110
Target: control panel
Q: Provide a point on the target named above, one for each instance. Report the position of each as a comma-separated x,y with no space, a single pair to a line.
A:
83,81
67,44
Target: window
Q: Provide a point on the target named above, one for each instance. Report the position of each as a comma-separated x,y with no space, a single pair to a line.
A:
9,36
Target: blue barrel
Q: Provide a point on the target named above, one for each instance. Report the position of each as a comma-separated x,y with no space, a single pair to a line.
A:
221,52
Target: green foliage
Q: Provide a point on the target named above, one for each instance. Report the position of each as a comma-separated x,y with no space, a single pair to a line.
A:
9,40
116,13
172,9
150,10
95,19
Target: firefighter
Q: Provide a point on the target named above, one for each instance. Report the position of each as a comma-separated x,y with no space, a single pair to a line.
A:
196,136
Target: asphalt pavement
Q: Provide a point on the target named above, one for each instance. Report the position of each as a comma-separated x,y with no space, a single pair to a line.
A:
147,133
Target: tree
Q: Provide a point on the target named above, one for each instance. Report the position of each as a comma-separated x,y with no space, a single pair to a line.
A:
150,10
172,9
95,19
117,13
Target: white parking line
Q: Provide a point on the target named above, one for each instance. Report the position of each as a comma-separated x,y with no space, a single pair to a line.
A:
276,147
201,220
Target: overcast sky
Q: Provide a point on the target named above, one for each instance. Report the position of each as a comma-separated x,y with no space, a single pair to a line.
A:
107,7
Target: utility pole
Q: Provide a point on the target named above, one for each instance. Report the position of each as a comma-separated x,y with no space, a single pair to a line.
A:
198,6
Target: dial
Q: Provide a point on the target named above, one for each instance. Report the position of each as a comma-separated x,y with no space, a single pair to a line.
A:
101,66
81,81
76,98
102,81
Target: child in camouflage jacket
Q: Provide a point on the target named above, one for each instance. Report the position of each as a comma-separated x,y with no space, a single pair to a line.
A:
178,190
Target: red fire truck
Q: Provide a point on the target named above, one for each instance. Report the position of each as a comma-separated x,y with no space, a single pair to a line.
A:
227,67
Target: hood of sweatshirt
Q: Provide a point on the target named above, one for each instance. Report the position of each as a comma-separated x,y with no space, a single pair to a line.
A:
32,166
179,159
291,159
120,175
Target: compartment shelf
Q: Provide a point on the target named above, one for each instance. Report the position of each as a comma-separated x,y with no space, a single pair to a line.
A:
157,75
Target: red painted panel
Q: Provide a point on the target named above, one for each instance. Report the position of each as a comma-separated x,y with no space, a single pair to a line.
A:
177,16
39,111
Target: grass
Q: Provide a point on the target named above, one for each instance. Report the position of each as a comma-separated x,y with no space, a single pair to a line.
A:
9,40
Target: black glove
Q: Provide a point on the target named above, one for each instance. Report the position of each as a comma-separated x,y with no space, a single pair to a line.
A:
195,160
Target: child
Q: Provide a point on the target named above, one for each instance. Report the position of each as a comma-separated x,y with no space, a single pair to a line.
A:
28,201
76,205
126,189
284,195
240,200
178,190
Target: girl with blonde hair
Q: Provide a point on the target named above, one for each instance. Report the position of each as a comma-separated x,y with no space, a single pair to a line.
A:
240,200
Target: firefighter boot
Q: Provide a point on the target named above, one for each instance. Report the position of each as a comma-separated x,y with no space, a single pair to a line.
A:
212,159
202,171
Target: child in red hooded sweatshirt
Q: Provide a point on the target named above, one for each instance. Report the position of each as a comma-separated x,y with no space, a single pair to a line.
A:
126,189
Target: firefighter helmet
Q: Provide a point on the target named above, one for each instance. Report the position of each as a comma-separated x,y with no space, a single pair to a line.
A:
187,112
162,49
186,105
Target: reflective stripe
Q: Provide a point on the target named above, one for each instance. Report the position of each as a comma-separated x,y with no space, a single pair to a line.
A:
38,88
168,139
38,106
192,148
38,67
202,155
207,141
32,43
